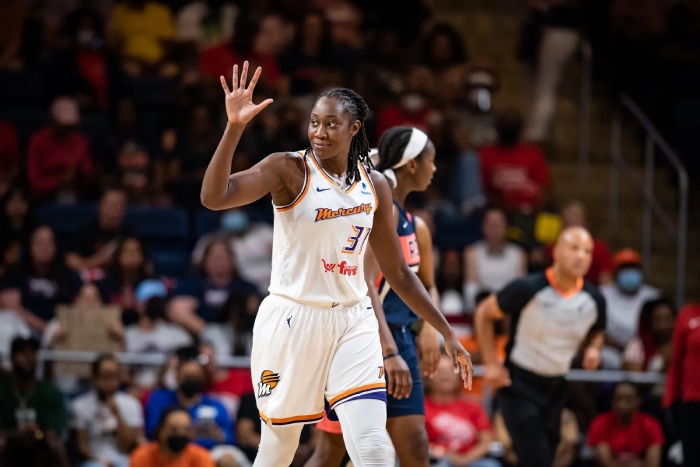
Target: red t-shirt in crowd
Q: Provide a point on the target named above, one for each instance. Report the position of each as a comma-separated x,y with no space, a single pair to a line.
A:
627,443
394,115
514,176
218,60
49,161
93,67
601,261
230,389
683,377
455,426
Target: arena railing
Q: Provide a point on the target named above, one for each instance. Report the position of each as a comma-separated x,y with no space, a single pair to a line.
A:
157,359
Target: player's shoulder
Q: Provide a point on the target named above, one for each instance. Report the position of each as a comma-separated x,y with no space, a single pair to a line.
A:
593,290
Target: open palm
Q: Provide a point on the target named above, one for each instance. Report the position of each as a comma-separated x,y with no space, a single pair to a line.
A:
240,108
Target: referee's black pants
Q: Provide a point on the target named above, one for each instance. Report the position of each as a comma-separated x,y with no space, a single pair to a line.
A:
690,433
531,409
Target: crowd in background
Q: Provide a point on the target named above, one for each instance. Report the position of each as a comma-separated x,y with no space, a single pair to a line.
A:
109,114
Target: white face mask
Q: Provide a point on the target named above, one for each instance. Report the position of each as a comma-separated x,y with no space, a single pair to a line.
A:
413,102
170,379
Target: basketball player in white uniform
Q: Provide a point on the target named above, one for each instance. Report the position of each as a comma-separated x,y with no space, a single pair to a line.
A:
315,340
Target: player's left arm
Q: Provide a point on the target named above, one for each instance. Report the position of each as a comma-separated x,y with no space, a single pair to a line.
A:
427,342
387,250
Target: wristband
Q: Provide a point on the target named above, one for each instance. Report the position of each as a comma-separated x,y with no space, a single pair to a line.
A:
391,355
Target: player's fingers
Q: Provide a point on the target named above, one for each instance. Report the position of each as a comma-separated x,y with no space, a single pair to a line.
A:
262,105
390,382
244,74
408,384
224,85
234,79
254,79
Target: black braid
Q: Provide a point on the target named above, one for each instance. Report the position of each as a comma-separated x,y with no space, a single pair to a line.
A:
391,146
356,106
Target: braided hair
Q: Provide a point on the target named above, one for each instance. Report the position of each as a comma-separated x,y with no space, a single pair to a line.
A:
353,104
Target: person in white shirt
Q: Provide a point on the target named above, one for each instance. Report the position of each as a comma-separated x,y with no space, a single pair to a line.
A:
11,326
108,422
491,263
152,333
625,298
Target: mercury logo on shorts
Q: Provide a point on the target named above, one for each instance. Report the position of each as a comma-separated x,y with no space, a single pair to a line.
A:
268,382
381,372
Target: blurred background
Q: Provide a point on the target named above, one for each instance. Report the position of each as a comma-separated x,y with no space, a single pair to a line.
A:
545,114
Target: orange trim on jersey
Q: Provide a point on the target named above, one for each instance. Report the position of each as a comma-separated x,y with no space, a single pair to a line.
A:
355,391
304,190
371,186
333,182
292,420
564,293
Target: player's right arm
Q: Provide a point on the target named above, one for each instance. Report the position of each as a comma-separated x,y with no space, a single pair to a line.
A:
220,190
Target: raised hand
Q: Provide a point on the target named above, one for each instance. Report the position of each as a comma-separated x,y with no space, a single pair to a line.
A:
460,360
240,108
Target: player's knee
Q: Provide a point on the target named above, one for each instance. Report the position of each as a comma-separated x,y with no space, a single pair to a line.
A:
372,445
413,448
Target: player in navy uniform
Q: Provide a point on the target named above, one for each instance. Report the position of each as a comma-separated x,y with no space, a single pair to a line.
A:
407,159
553,314
316,339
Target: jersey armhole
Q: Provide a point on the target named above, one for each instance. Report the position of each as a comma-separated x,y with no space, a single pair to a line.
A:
304,188
371,185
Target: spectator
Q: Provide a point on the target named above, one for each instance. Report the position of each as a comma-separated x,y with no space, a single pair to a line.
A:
559,41
310,55
252,242
94,244
227,385
83,69
233,334
87,301
206,22
682,395
129,267
650,349
109,423
459,431
199,299
172,446
218,60
152,333
58,156
10,162
625,298
17,219
31,409
39,282
491,263
624,435
212,424
449,281
515,175
442,48
141,30
573,214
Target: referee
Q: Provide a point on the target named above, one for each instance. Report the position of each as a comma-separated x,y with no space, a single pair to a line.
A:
553,314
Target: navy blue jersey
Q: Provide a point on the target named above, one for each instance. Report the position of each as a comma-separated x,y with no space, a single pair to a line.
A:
396,311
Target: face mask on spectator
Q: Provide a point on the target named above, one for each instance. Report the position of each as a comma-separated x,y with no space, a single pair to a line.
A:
177,443
629,279
234,221
191,387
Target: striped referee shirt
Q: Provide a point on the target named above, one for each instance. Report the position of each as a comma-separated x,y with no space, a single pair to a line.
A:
548,325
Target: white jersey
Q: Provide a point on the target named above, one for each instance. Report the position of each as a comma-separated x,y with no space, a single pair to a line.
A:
320,239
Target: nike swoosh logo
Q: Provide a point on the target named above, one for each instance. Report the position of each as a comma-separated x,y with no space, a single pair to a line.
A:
405,224
319,189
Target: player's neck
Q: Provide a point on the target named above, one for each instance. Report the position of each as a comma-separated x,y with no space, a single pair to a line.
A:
562,280
337,167
400,194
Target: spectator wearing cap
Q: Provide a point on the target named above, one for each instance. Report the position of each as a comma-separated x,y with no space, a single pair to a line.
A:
30,410
152,333
625,298
58,155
